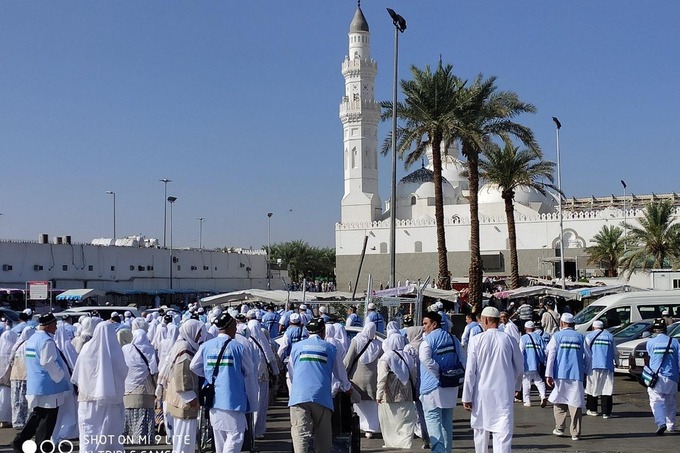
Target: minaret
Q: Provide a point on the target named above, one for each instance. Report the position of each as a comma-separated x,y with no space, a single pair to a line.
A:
360,113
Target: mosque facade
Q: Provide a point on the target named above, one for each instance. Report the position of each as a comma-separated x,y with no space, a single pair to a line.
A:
363,215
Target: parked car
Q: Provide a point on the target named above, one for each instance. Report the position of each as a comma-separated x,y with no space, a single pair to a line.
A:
633,331
103,312
638,356
10,315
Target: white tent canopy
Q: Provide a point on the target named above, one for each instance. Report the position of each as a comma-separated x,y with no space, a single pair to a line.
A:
273,296
80,294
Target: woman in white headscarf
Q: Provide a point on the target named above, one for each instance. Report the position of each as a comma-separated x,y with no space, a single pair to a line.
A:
67,417
140,384
100,373
7,341
361,362
266,362
395,395
179,387
341,335
18,379
87,327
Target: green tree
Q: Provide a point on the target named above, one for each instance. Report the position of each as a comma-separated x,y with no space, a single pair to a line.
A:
304,261
608,249
487,114
511,168
655,244
428,113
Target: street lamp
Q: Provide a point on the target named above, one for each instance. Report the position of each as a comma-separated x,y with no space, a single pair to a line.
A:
559,188
171,200
165,206
200,232
269,249
399,27
625,229
110,192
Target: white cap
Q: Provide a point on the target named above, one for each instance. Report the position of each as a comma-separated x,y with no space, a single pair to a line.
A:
567,318
252,314
665,313
114,313
529,325
371,306
128,314
303,307
323,309
294,318
439,304
598,324
28,311
491,312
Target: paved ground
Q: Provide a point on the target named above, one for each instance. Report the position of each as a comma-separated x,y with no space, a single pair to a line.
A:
631,429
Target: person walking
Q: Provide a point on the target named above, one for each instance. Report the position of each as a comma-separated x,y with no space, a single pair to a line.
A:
438,351
494,363
664,360
314,362
375,317
233,390
600,383
471,329
568,363
533,350
47,383
18,380
550,319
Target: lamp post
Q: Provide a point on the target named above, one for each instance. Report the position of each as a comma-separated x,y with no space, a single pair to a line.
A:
269,249
559,187
200,232
165,206
625,229
399,27
110,192
171,200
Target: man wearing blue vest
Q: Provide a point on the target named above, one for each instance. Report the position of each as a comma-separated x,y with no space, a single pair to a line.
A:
601,382
270,320
533,350
352,317
233,394
472,328
568,364
664,356
47,383
438,350
375,317
314,362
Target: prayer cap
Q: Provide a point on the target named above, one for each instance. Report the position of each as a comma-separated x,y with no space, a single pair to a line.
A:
491,312
529,325
223,320
371,306
567,318
252,314
316,325
323,309
303,307
294,318
659,324
47,319
598,324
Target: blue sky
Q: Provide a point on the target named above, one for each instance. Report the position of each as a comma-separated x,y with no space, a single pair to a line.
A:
237,103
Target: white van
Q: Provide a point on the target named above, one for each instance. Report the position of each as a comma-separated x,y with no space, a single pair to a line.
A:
624,308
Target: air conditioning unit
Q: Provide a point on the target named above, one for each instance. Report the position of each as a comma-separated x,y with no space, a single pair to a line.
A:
43,239
58,240
6,267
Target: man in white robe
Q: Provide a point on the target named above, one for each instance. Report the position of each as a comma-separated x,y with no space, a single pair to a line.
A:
494,364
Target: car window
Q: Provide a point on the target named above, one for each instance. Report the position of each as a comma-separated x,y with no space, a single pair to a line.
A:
632,331
650,311
588,313
616,316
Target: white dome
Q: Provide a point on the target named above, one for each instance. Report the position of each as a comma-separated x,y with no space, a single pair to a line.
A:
451,167
528,196
421,183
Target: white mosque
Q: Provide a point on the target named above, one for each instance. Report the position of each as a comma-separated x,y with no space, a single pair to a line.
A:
363,214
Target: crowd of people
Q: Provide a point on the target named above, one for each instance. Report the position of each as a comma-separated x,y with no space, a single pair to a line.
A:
125,380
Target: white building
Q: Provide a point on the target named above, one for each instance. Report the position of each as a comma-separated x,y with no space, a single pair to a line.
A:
537,218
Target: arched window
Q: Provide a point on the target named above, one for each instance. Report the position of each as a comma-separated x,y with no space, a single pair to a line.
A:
418,246
413,200
383,247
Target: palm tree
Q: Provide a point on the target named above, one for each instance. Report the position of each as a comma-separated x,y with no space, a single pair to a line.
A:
608,249
430,108
511,168
656,242
487,113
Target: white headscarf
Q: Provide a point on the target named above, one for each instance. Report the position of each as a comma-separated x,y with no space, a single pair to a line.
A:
139,323
191,335
88,325
140,340
62,338
367,335
400,368
100,370
25,335
392,328
331,330
341,335
7,340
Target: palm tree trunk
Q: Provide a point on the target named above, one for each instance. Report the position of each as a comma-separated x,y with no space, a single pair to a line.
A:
475,282
443,279
512,239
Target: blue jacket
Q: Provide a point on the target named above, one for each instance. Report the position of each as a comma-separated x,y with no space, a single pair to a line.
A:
271,322
312,370
665,362
38,380
230,387
534,352
602,350
570,362
378,320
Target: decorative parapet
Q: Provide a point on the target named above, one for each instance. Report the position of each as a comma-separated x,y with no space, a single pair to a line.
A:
357,66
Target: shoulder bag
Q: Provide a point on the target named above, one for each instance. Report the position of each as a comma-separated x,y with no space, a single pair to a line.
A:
146,361
206,395
410,381
649,378
541,365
